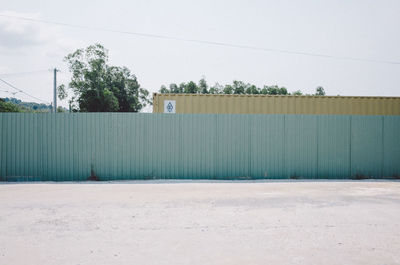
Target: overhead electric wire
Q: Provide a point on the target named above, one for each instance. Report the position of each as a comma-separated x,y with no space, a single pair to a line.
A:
21,91
6,91
208,42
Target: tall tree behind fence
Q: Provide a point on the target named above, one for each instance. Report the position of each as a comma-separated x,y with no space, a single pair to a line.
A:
117,146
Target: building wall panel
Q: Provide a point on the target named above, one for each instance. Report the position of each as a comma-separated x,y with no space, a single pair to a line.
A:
278,104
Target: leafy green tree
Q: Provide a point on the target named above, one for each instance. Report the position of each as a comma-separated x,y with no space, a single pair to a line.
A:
62,92
191,88
319,91
228,89
99,87
297,93
283,91
264,91
164,90
203,87
8,107
272,90
182,87
174,88
216,89
60,109
237,87
252,89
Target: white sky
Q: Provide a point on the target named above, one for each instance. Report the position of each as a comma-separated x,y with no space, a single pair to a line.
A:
358,28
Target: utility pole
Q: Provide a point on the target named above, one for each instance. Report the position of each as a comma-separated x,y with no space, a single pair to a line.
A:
55,91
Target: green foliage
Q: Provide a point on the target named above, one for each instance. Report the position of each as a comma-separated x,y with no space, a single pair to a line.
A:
319,91
9,107
252,89
203,87
61,109
99,87
264,91
228,89
275,90
297,93
111,103
191,88
164,90
237,87
174,88
216,89
61,92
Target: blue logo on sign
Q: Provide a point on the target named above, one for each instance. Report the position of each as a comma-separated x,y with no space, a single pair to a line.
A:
170,107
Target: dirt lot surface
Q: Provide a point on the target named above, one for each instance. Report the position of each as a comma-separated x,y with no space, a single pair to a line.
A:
278,222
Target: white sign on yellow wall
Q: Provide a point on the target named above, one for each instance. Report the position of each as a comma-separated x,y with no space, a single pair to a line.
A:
169,106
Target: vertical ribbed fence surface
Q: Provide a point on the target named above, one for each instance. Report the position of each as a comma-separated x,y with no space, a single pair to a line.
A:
267,146
367,146
118,146
301,152
391,146
334,148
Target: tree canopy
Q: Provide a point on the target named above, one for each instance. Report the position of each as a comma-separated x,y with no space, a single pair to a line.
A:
99,87
237,87
8,106
319,91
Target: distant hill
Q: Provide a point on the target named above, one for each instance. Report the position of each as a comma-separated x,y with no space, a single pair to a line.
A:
29,106
17,105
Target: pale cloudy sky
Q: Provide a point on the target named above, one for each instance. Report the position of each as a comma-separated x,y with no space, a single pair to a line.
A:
340,28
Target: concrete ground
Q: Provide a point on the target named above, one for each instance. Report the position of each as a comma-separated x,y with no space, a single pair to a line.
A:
278,222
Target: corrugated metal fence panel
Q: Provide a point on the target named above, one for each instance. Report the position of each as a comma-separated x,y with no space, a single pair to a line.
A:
18,147
198,145
267,141
301,146
367,146
233,143
391,146
144,146
333,157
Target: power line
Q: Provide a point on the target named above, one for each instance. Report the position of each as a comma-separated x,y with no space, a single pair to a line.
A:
6,91
21,91
215,43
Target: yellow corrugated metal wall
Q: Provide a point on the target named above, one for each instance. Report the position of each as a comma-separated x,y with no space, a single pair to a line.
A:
267,104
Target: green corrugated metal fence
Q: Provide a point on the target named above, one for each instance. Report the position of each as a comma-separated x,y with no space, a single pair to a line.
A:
119,146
